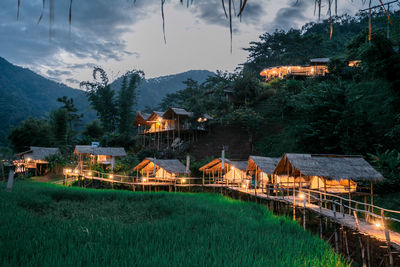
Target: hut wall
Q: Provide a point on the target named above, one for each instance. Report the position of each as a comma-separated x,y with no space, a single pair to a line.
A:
332,186
290,181
264,178
161,173
235,175
103,158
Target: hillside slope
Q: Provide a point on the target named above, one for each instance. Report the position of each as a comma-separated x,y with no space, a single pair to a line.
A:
24,93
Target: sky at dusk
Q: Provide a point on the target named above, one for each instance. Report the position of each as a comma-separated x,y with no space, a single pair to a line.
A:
121,35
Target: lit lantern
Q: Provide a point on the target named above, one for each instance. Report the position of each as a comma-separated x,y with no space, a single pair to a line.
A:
111,176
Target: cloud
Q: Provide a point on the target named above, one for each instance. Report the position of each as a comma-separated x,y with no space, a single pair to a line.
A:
211,12
96,31
291,16
72,80
57,73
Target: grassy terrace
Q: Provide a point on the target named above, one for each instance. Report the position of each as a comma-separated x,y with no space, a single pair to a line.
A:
48,225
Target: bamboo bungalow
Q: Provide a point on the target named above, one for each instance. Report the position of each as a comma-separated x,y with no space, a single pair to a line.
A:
34,158
102,155
231,172
328,173
262,168
169,128
141,121
160,169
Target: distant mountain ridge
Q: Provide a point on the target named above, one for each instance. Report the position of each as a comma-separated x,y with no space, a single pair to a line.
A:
152,91
23,94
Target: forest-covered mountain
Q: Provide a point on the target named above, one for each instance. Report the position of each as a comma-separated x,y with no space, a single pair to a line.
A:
23,94
152,91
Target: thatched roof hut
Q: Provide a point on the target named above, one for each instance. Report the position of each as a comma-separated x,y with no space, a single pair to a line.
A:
335,167
216,164
262,168
161,168
233,171
263,164
38,153
34,158
103,151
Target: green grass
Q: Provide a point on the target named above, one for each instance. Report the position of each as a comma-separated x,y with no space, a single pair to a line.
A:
49,225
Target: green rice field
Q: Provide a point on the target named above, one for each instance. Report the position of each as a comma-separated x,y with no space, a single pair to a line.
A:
49,225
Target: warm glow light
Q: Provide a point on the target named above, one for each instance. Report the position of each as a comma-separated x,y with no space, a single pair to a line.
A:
111,176
183,180
378,225
90,173
243,185
301,195
76,171
232,168
144,179
28,159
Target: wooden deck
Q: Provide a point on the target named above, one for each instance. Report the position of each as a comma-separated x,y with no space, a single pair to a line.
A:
342,218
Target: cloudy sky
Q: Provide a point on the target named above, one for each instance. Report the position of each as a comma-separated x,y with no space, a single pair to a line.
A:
120,35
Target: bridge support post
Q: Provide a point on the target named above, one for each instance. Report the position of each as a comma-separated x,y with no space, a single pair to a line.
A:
387,236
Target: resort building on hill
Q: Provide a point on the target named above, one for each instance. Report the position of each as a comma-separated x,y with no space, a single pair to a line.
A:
101,155
34,159
317,67
169,128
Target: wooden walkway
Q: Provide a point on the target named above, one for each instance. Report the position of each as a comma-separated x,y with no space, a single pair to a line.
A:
342,218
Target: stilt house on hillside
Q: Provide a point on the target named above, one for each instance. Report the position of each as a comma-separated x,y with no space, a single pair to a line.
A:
262,168
230,172
160,169
328,173
169,128
102,155
34,159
